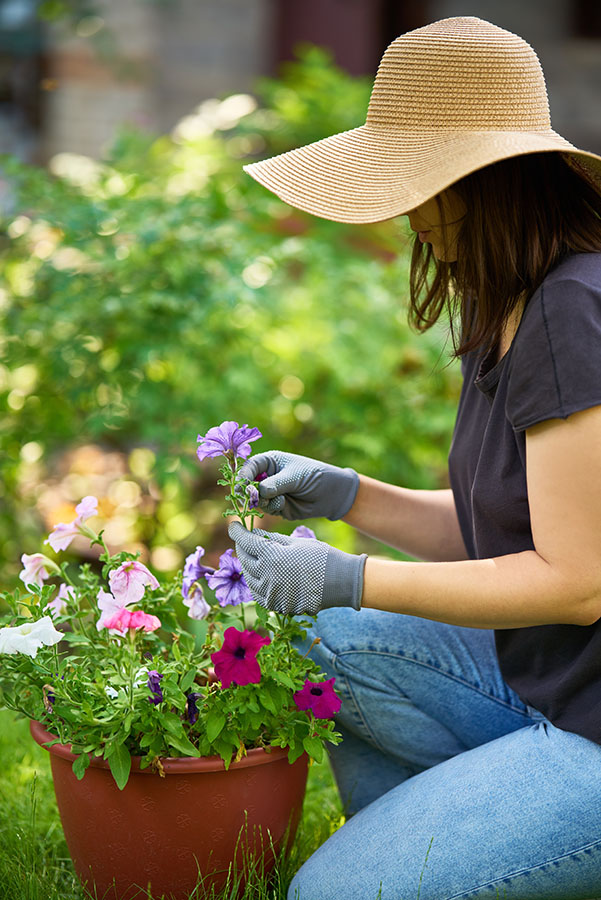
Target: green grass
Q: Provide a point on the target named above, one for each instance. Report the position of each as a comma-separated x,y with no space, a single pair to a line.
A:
35,862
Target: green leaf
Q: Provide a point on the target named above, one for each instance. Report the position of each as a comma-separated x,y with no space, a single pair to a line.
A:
181,743
294,753
314,748
80,765
214,724
119,761
188,679
284,679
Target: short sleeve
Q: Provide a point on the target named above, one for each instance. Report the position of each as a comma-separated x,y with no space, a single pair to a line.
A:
555,364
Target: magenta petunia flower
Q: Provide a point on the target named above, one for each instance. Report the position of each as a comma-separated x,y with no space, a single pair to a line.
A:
319,697
227,439
228,582
236,662
129,581
301,531
194,570
63,533
125,618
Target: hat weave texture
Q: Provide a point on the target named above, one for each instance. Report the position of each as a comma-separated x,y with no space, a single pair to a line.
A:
448,99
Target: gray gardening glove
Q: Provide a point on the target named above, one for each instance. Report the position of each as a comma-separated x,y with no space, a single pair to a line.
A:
298,487
296,576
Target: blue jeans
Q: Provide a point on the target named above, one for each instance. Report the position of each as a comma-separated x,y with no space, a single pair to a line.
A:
455,788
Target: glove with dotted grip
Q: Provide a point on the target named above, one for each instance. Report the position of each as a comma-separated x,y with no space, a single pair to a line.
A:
298,487
297,576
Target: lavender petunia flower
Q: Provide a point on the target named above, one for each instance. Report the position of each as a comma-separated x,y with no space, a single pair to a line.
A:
228,582
194,570
154,685
35,569
301,531
227,439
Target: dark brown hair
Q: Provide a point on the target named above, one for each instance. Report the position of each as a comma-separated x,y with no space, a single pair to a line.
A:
524,215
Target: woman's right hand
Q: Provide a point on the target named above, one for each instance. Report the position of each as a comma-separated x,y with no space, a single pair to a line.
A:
298,487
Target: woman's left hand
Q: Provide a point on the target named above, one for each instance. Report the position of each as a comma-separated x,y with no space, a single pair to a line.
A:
297,576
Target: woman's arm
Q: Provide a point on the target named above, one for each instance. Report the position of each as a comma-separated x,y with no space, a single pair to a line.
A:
421,523
557,583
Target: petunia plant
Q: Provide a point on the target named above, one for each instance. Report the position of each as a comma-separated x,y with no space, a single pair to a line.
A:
104,656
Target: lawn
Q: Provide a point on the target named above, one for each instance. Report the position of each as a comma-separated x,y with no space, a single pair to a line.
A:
34,860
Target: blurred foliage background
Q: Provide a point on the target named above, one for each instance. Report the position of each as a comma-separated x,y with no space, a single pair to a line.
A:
148,297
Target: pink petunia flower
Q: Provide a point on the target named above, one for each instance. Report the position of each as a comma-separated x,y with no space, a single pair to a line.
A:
227,439
108,606
58,604
319,697
129,581
63,533
236,662
36,567
228,582
125,618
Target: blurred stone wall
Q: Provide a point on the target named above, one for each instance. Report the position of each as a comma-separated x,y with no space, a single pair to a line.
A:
172,54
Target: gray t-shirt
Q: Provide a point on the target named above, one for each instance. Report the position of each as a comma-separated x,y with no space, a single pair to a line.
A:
552,369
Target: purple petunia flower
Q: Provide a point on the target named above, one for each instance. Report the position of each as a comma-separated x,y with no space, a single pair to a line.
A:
236,662
228,582
319,697
227,439
192,708
253,496
301,531
154,685
194,570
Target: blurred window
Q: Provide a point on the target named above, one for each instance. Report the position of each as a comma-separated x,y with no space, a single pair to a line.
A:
21,77
586,18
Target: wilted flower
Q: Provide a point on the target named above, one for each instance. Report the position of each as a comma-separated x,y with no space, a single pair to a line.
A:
237,659
253,496
227,439
154,685
228,582
36,568
194,570
129,581
63,534
29,637
319,697
124,619
301,531
192,708
198,608
111,692
57,606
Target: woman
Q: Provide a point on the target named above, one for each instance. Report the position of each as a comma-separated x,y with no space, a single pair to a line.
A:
471,681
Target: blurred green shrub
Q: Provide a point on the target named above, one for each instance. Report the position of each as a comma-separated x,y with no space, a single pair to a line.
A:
152,295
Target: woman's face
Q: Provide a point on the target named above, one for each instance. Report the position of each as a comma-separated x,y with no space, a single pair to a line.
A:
426,220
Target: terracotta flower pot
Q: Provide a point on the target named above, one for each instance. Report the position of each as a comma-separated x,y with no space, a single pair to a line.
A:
164,831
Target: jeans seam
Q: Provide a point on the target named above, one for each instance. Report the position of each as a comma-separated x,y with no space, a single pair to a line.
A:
357,707
528,870
438,669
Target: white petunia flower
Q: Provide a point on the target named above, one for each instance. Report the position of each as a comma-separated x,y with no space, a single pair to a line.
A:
29,637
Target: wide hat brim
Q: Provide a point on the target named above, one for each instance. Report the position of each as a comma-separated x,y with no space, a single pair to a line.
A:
370,174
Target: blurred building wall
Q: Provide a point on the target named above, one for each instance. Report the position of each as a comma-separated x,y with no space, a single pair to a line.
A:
169,55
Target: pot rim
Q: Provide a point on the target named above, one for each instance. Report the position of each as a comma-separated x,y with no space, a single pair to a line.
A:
183,765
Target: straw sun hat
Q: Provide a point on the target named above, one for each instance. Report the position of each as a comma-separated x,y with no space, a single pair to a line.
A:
448,99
